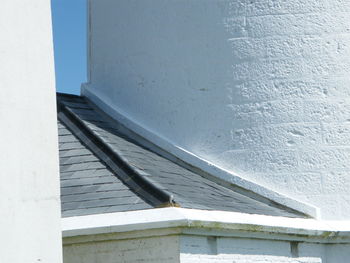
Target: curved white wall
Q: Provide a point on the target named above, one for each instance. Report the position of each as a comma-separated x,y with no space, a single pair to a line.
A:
258,87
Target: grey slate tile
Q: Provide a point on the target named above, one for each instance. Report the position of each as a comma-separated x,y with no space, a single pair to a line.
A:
103,202
82,166
84,174
87,181
137,206
74,152
79,189
77,159
82,212
67,138
71,146
97,196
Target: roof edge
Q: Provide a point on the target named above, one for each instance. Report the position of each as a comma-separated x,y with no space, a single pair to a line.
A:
207,222
198,164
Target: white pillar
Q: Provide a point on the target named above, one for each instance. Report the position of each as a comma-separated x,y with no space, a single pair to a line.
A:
29,204
258,87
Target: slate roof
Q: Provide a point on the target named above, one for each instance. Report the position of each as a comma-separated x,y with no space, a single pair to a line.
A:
107,168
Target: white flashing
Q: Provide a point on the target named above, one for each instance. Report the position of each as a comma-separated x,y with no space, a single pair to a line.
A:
195,160
172,217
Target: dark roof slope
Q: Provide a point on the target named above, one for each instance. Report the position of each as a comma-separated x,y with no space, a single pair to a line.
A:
107,168
87,185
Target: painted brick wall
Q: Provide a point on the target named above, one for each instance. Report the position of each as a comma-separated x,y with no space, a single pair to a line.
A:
204,249
258,87
245,259
153,249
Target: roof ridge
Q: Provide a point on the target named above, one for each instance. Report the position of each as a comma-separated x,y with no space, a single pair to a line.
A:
144,187
63,94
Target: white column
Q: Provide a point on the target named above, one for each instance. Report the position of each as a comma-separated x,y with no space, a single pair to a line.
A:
260,88
29,189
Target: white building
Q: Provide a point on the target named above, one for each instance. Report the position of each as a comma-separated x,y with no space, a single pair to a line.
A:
30,229
208,131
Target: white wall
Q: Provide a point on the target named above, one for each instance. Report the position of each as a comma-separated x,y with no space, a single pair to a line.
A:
151,249
29,203
204,249
259,88
199,249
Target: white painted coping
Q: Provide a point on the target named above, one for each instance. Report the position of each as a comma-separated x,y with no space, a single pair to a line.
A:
172,217
195,160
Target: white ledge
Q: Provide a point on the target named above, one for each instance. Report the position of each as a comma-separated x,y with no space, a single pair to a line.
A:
195,160
172,217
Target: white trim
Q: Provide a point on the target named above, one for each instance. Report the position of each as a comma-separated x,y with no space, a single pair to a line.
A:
195,160
172,217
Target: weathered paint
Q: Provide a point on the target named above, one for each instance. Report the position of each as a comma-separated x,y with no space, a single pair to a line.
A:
152,249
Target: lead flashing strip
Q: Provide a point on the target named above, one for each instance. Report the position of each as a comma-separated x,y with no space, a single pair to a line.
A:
140,185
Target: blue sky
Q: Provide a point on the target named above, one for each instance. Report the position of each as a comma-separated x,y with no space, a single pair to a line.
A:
69,33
